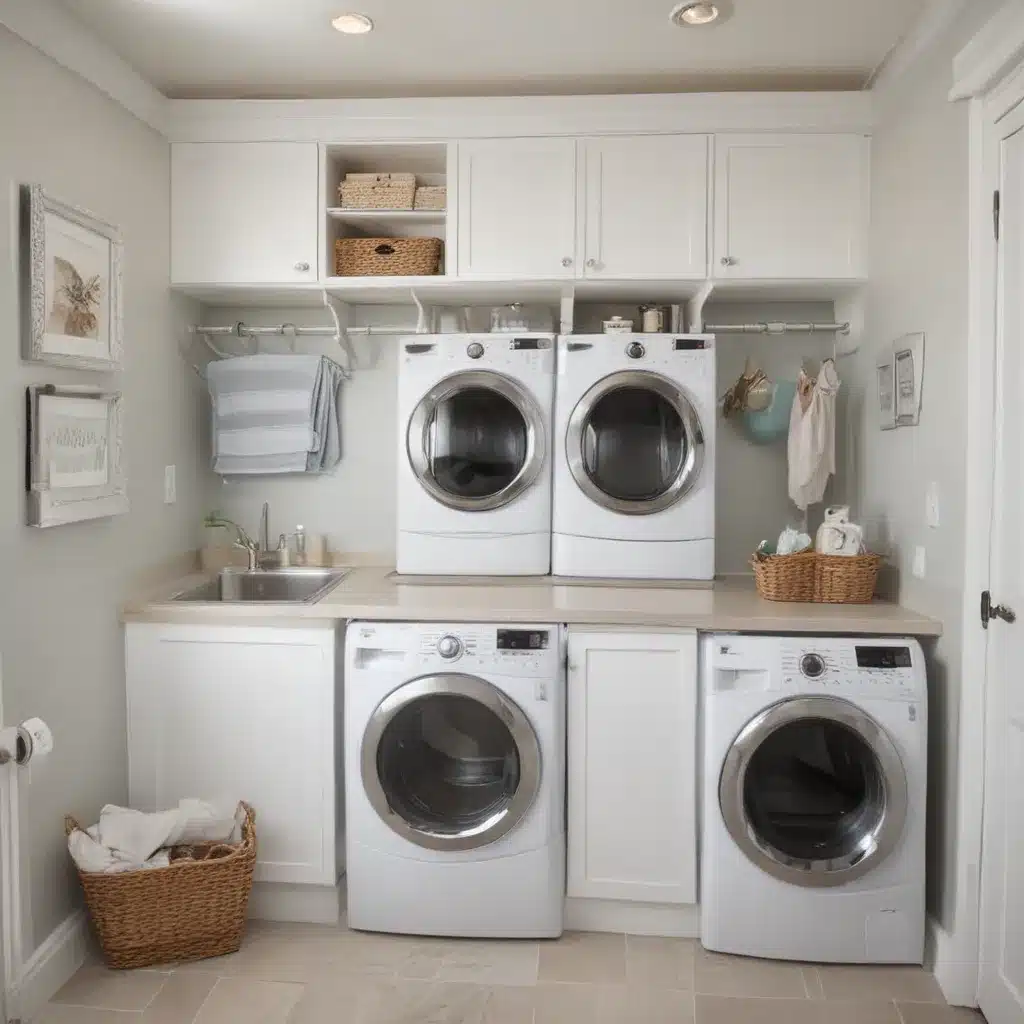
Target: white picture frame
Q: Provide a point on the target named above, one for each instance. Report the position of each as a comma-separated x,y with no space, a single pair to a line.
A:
72,285
908,360
885,378
75,458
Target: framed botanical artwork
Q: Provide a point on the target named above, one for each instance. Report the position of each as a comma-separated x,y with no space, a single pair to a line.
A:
885,370
74,464
72,297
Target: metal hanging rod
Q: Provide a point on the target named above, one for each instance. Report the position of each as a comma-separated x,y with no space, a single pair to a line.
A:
242,330
777,328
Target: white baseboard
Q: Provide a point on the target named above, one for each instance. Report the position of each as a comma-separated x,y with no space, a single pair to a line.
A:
50,967
956,975
310,904
634,918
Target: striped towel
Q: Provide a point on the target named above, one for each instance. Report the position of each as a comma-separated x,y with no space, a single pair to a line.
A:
275,414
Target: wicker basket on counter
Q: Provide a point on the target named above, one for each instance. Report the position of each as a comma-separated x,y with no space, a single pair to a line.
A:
387,257
810,577
192,909
377,192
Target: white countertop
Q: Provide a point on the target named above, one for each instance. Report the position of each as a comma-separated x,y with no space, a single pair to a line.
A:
375,593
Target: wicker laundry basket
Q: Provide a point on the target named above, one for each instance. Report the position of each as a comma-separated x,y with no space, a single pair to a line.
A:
193,909
387,257
810,577
377,192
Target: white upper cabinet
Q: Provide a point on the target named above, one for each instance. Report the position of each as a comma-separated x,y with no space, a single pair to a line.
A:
632,755
790,206
244,213
645,206
517,208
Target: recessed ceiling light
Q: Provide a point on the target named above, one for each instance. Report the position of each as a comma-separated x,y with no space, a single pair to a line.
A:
694,12
353,24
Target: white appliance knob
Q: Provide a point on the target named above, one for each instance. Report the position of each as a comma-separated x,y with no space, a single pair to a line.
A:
474,350
449,647
566,261
302,266
812,665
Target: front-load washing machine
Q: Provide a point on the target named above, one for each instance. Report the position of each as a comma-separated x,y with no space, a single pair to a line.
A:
455,779
474,459
814,798
634,471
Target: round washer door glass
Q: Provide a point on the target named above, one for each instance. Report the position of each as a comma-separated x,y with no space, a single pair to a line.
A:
814,792
449,763
476,440
634,443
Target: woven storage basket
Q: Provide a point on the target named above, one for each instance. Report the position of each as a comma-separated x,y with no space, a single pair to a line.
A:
387,257
379,192
822,579
431,197
193,909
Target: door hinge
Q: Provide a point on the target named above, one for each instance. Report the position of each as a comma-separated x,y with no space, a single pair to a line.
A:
990,611
996,206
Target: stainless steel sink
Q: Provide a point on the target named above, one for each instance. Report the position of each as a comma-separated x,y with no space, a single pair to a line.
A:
280,586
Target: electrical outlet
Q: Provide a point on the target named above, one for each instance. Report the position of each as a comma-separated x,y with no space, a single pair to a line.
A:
931,505
919,567
170,485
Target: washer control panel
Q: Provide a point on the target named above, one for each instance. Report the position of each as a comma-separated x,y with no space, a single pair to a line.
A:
508,650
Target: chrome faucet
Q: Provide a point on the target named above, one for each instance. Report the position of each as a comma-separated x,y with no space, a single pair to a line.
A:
265,528
242,539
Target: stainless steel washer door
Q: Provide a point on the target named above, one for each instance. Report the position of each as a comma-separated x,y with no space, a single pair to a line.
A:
634,443
450,763
813,791
476,441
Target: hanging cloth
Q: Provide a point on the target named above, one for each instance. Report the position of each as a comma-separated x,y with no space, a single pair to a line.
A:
812,436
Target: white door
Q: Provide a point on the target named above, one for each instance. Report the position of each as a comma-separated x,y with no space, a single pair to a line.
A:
1001,981
632,713
790,206
244,213
645,206
517,208
229,713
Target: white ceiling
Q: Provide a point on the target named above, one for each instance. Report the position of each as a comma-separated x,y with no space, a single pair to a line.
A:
287,48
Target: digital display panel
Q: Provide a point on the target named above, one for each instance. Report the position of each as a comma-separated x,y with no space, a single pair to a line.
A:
522,640
883,657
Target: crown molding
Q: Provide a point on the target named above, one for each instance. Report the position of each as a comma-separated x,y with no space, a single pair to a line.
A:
63,38
992,53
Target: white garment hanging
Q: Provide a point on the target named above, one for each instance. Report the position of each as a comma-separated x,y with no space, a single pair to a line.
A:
812,439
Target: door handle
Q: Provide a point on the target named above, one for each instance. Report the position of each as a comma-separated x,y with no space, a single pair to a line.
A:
990,611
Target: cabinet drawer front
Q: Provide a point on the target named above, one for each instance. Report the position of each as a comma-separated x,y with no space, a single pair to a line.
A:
632,765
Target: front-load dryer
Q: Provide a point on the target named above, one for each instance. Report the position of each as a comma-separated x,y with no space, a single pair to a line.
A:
474,459
814,798
455,779
634,479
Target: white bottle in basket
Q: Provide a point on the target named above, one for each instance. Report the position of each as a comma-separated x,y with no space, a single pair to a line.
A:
837,535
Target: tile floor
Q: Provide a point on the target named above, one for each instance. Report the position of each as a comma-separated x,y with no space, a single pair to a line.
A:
304,974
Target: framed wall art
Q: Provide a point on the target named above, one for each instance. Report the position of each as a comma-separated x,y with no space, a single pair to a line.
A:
885,372
72,295
74,458
908,353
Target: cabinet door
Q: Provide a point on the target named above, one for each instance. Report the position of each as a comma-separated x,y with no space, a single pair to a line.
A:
790,206
517,208
632,765
646,206
238,713
244,213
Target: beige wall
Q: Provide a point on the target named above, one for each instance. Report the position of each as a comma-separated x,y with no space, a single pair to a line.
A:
918,282
59,635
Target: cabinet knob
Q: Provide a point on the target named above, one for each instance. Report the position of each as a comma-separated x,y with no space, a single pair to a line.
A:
302,265
566,261
591,262
728,261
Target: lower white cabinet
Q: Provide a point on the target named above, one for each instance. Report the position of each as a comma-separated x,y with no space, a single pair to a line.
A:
632,757
223,712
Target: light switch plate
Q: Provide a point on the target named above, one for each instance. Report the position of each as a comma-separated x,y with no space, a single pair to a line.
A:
931,504
919,567
170,485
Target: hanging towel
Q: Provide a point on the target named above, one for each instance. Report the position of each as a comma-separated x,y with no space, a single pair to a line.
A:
812,436
275,414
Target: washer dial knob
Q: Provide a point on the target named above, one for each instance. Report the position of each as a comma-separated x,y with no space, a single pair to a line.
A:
474,350
812,665
449,647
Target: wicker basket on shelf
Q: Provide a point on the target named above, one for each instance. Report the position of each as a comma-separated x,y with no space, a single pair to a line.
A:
810,577
377,192
193,909
431,197
387,257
